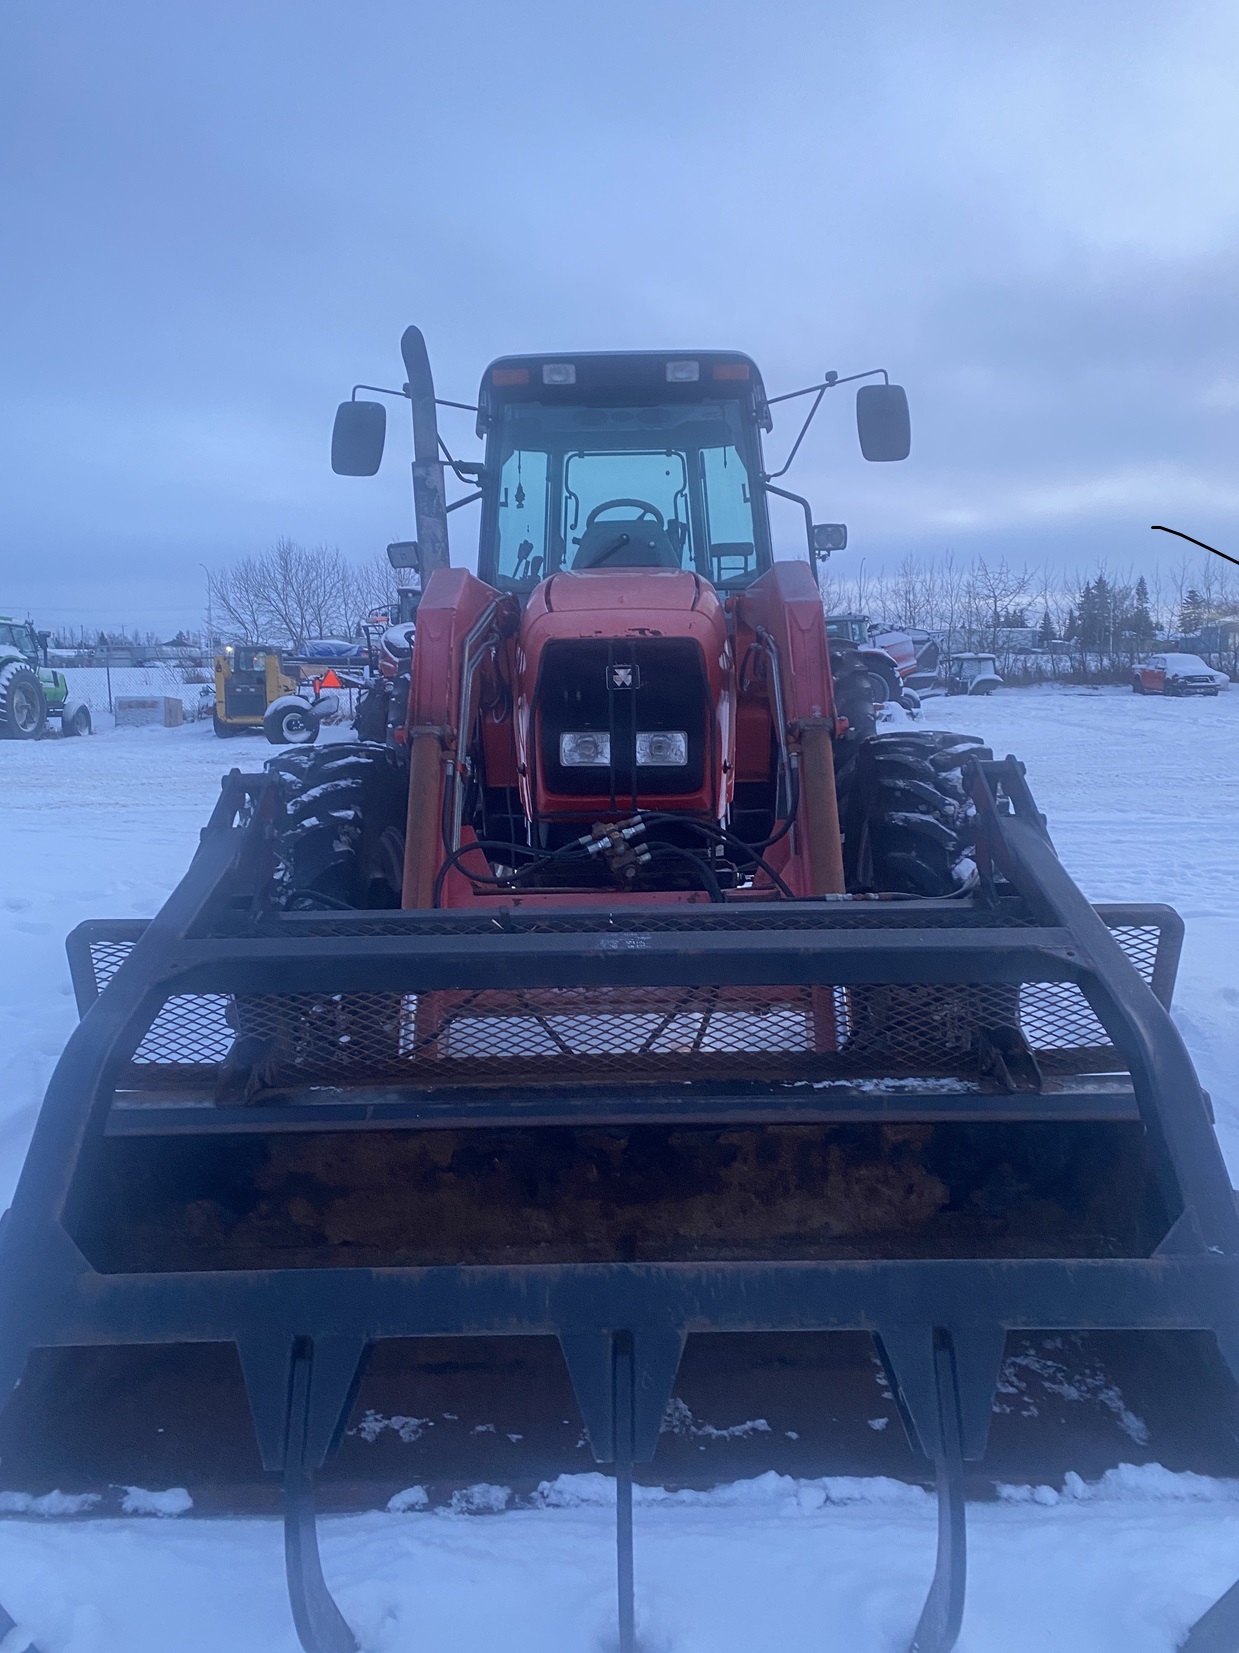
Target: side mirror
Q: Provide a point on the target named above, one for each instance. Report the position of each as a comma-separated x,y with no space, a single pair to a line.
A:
403,554
883,422
357,438
828,537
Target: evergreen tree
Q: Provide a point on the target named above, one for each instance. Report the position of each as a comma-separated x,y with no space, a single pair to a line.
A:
1192,613
1045,631
1105,611
1141,617
1086,621
1097,614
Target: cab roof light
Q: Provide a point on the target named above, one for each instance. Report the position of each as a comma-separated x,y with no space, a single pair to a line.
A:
558,373
683,373
509,376
731,370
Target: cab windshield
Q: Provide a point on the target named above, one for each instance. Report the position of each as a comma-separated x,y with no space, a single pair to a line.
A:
19,637
669,486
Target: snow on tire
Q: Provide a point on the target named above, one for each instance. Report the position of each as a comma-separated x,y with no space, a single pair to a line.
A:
908,822
338,833
23,705
289,721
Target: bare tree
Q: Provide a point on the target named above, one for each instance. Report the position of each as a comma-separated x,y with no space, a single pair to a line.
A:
292,593
238,599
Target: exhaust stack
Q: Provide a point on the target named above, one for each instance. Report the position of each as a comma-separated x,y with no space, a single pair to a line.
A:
429,499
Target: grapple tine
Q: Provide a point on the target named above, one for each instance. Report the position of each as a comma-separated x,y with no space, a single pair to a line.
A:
1217,1629
943,1613
321,1627
624,1367
7,1626
622,1381
944,1381
299,1393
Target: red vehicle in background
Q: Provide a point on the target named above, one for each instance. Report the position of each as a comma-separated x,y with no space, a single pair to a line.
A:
1177,674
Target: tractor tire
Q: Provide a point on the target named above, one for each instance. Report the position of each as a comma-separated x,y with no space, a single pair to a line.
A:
23,705
884,685
75,720
853,698
225,731
370,724
908,822
338,832
289,721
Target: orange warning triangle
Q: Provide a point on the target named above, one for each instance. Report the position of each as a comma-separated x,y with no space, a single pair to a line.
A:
331,681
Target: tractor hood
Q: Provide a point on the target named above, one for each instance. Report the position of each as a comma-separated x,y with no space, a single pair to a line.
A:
625,602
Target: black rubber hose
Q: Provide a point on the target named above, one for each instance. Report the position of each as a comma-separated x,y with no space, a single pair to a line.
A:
713,888
793,809
722,836
484,845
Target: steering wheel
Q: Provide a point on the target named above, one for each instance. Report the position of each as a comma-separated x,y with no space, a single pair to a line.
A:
642,505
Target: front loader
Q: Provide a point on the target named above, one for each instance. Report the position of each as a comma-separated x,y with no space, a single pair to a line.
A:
629,1038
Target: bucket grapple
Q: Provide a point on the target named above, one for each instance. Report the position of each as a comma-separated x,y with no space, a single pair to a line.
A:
497,1100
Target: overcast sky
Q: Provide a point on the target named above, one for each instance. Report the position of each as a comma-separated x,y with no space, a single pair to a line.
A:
218,215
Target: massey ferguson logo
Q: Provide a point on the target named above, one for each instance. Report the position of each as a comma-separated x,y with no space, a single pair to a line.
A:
623,677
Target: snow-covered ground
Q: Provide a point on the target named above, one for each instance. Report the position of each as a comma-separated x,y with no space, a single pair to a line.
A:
771,1567
1143,800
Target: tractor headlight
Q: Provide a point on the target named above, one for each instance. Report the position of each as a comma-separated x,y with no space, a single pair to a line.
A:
656,749
585,749
662,749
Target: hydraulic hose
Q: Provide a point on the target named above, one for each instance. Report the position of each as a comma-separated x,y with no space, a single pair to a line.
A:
713,888
517,873
722,836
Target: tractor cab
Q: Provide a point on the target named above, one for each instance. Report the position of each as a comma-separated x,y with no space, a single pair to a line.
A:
972,674
616,461
848,628
19,639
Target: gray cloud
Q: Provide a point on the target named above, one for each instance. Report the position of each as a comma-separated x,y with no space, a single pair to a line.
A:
218,218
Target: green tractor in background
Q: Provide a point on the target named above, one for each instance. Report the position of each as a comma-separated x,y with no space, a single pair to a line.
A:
30,690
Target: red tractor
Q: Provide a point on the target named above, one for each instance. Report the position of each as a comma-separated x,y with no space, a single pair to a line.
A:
631,698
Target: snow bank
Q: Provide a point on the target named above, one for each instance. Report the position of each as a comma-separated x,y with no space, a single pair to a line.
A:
48,1503
138,1501
769,1494
412,1498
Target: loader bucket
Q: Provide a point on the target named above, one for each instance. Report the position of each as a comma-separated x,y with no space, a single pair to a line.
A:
350,1200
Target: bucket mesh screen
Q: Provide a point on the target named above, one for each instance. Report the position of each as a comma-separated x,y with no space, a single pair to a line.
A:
542,1037
553,1036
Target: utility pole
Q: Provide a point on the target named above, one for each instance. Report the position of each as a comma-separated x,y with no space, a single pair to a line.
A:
210,617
